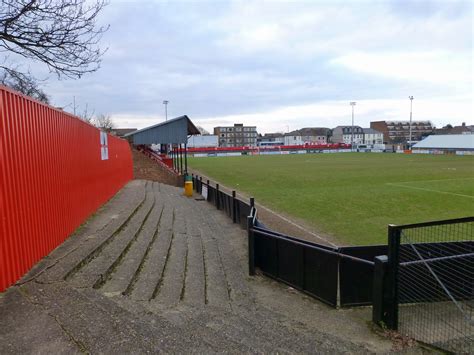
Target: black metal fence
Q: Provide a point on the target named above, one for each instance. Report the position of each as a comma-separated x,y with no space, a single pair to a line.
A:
421,283
427,283
307,266
336,276
235,208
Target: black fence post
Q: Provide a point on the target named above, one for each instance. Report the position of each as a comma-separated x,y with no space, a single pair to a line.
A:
252,202
251,245
200,185
234,210
217,197
194,182
379,290
392,277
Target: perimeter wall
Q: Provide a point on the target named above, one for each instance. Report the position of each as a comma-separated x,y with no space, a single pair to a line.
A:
55,171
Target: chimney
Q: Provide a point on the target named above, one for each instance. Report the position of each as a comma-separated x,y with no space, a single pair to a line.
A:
464,124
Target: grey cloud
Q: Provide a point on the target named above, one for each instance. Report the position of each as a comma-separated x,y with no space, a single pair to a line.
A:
184,52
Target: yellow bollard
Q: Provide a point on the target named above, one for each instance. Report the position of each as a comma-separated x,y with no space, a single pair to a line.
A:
188,188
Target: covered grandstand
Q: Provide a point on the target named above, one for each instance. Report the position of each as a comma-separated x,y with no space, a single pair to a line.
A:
460,144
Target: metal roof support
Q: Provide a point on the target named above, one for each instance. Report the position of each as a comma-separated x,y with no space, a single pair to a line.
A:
186,158
181,157
173,156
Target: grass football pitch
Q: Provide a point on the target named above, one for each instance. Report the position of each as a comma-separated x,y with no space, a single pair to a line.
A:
352,196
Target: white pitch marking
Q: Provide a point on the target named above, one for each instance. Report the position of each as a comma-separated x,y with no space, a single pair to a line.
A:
296,225
430,190
278,215
455,179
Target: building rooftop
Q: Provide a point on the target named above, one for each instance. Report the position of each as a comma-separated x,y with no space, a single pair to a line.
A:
408,122
309,131
371,131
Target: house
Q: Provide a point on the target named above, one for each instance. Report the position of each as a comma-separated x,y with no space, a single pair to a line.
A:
448,129
308,135
343,134
399,131
371,136
237,135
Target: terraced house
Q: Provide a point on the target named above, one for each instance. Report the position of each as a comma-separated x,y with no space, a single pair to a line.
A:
308,135
343,134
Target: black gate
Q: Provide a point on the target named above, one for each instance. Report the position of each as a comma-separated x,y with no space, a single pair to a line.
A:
429,285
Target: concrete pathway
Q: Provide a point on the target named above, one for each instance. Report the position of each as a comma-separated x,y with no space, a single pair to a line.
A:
156,271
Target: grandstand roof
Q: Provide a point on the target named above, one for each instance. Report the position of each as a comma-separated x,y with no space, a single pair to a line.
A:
174,131
448,141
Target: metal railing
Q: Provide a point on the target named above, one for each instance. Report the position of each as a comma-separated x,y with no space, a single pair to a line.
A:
336,276
429,283
421,283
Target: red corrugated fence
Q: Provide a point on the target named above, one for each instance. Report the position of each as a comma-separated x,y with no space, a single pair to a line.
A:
52,177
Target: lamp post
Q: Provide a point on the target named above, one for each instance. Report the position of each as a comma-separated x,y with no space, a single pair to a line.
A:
165,102
411,114
352,103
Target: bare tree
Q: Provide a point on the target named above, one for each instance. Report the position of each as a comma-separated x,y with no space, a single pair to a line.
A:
24,83
104,122
63,34
87,116
202,130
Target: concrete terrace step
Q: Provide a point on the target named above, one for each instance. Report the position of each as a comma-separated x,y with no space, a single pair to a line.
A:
95,271
94,235
162,273
124,276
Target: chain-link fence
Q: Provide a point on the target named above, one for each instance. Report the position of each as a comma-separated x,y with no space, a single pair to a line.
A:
436,284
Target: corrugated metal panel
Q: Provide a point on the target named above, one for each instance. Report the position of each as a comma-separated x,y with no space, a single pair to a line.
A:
448,141
52,178
174,131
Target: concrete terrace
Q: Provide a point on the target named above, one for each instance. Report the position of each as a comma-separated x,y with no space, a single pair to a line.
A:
154,271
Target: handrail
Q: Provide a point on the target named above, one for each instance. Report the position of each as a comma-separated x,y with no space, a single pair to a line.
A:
293,238
298,242
154,156
433,223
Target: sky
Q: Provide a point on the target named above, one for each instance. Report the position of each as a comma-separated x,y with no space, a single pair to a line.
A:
280,65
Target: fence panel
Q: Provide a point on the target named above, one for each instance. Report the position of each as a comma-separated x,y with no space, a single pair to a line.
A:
436,284
307,266
290,263
53,175
358,293
211,194
242,211
321,268
266,249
